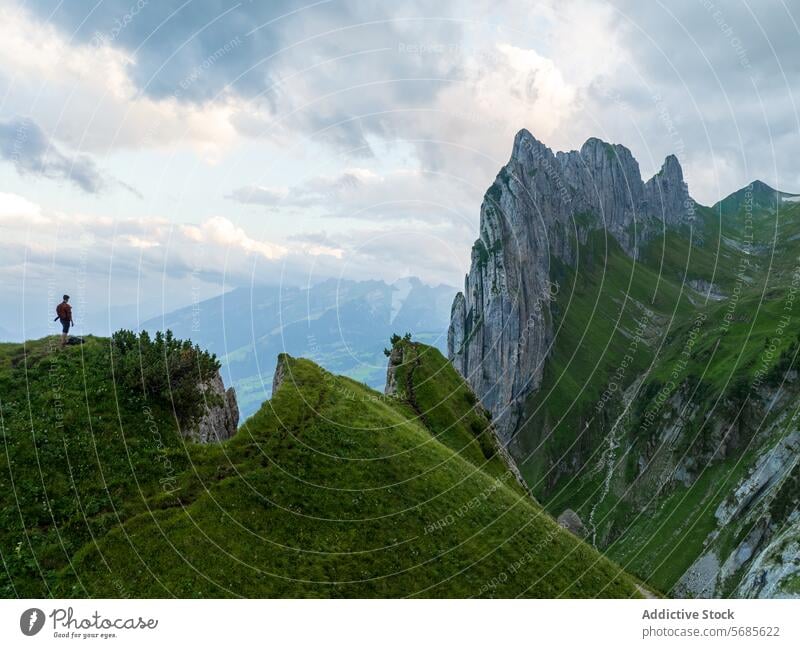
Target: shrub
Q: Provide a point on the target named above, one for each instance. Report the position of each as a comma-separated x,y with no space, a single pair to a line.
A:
784,363
482,434
163,369
739,390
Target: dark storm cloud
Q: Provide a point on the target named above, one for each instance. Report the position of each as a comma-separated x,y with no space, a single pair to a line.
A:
711,81
718,80
170,38
696,37
316,68
29,149
180,45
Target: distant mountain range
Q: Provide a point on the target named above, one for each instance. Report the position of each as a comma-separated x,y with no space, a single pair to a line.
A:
342,325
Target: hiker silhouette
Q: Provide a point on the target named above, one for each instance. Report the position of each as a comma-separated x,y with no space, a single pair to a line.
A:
64,315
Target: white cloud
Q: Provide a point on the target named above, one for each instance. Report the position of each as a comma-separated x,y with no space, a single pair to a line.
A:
402,196
149,246
84,94
437,125
18,211
221,232
514,87
139,242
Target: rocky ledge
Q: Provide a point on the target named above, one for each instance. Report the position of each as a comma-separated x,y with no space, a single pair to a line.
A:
221,418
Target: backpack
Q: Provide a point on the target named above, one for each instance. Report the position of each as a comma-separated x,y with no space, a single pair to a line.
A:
62,311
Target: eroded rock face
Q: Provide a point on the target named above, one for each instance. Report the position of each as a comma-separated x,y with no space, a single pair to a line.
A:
395,360
221,418
540,206
771,573
280,373
770,469
766,559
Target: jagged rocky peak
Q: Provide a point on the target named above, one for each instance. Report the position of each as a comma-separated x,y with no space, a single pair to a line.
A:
601,180
221,418
667,194
542,206
524,143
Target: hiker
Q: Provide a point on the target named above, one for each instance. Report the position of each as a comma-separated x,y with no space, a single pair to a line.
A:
64,315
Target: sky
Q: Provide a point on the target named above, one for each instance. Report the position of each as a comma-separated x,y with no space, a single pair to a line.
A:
155,153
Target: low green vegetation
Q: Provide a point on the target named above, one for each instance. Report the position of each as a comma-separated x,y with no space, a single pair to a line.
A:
442,401
331,489
165,370
80,454
694,336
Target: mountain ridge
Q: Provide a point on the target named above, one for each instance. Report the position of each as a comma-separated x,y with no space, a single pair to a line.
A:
540,208
330,490
757,194
640,362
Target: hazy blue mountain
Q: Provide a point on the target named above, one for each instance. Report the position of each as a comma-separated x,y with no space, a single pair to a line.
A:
342,325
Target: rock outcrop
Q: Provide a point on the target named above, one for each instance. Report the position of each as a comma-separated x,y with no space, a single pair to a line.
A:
570,520
540,206
221,417
280,372
766,559
395,360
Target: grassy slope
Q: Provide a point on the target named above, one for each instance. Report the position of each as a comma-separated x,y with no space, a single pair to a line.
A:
72,463
442,402
721,369
599,308
329,490
594,335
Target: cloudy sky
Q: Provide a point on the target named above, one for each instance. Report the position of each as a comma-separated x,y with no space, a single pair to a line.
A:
157,152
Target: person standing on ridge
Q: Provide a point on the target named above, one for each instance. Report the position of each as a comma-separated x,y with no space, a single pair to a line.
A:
64,315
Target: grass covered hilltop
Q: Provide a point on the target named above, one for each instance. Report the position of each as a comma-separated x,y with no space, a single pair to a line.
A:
330,490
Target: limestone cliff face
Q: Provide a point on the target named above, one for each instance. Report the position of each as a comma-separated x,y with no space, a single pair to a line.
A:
221,416
766,558
540,206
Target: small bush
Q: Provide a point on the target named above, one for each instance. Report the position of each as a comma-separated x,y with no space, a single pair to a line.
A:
476,427
739,390
164,369
784,363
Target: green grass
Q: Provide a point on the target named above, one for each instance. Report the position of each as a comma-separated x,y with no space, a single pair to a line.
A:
734,352
77,457
330,490
663,541
600,307
447,407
